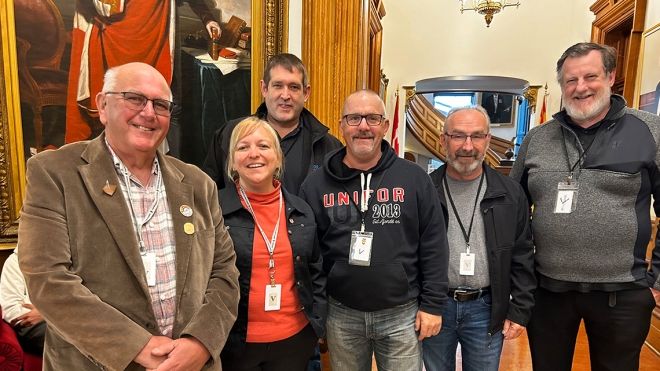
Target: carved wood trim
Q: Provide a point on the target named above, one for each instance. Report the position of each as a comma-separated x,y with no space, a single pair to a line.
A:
12,162
531,94
270,19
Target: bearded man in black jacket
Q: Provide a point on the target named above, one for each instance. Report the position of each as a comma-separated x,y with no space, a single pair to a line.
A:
384,245
491,254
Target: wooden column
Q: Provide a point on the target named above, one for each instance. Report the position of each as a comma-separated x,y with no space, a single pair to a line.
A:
337,48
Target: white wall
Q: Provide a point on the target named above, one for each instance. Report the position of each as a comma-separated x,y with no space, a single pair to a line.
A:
652,14
295,27
431,38
649,66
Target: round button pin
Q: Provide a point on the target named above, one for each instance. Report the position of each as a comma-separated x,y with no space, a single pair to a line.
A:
186,210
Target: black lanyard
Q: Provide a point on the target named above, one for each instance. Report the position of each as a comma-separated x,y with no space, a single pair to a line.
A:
467,234
571,168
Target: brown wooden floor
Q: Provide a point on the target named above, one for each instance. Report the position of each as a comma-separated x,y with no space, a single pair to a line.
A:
516,357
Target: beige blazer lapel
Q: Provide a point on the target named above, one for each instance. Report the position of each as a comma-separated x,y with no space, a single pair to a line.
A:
113,208
179,193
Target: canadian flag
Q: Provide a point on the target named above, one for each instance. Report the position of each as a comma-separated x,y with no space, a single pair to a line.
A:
543,115
395,125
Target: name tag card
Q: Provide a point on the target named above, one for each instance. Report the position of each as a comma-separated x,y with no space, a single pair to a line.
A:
360,253
467,264
149,262
566,197
273,297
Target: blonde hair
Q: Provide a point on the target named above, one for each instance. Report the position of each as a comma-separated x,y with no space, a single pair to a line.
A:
247,127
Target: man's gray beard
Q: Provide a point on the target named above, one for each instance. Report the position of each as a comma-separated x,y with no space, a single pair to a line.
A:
592,112
466,169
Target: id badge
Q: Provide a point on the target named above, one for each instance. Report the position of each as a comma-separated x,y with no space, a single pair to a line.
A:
566,197
273,297
360,253
149,262
467,264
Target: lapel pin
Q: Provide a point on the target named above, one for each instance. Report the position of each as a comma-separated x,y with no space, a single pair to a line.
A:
189,228
109,189
186,211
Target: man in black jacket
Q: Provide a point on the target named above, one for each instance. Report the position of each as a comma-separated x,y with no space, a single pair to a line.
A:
382,236
304,139
491,257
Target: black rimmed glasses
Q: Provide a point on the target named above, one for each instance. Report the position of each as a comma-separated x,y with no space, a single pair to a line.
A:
137,102
354,119
462,138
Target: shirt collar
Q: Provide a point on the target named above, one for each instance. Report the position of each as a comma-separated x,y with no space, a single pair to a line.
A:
120,167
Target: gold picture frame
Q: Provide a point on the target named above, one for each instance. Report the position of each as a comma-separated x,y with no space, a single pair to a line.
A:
269,25
647,86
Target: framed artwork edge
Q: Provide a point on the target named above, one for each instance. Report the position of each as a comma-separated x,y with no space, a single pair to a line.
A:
270,23
12,162
514,110
640,66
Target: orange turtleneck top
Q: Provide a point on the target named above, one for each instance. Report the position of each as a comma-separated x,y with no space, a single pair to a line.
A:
268,326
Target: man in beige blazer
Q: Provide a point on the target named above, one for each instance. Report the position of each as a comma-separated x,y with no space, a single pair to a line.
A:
125,281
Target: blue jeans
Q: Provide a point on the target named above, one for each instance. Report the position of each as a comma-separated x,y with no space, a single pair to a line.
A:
354,336
466,323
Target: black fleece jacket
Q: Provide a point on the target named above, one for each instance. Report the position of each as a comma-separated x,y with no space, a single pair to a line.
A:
409,250
509,247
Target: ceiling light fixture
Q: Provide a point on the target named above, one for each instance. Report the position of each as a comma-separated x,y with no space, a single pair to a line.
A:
487,7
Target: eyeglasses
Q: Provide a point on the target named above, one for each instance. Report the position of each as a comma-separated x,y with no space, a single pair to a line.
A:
137,102
354,119
462,138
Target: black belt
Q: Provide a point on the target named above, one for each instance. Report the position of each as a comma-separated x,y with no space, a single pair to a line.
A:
467,294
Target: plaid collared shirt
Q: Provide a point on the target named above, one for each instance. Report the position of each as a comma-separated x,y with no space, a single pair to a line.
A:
157,236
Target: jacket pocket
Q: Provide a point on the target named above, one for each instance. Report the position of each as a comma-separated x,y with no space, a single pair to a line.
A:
503,224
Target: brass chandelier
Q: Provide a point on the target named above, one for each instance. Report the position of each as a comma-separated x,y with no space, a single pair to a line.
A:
487,7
